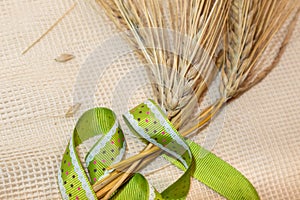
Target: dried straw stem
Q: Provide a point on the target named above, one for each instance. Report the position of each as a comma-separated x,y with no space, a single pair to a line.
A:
50,28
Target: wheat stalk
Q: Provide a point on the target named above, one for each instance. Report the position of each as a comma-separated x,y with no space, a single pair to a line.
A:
249,29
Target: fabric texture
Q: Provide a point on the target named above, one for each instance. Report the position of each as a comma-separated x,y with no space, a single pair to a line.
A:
260,130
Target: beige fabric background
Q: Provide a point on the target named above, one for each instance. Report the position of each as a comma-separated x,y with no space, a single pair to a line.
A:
261,129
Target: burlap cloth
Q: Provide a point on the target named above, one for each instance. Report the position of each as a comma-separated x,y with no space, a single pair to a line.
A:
260,136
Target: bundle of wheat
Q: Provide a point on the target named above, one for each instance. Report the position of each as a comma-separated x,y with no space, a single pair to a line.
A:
232,34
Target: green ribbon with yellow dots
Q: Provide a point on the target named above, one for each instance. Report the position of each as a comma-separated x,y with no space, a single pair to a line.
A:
149,122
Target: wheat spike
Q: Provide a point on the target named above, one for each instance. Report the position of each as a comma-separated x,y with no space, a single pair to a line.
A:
183,77
259,73
251,26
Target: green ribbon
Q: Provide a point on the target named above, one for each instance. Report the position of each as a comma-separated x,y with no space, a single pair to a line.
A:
148,121
109,149
218,175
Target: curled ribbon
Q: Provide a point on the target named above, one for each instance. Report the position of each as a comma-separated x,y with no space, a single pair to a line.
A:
109,149
148,121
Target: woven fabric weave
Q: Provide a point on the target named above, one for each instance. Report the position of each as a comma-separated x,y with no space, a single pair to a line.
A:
260,135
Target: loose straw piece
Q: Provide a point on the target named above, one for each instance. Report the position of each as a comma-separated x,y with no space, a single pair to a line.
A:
72,110
51,27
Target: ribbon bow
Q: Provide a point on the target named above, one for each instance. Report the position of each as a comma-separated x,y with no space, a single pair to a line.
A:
148,121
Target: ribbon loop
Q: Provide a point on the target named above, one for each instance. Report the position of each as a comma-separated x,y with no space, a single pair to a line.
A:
74,183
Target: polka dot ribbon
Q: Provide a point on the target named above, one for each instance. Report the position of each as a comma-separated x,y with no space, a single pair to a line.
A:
109,149
149,122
